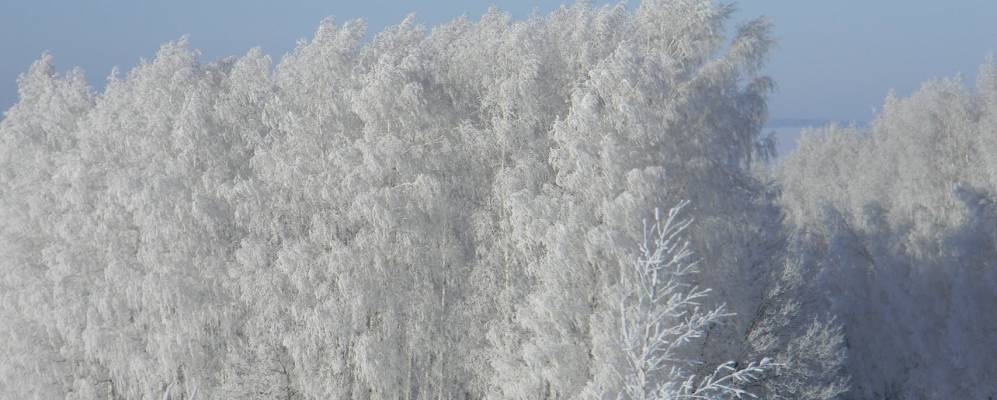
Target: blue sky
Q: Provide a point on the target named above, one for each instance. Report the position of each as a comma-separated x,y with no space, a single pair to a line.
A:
836,59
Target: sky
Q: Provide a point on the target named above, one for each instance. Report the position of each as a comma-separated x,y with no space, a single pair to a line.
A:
836,60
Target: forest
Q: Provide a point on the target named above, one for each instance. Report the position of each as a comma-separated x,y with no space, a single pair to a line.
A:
579,205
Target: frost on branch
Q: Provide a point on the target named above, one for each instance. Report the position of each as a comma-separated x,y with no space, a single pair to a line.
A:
660,314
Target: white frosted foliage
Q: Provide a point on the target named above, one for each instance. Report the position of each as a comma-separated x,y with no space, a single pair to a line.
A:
441,212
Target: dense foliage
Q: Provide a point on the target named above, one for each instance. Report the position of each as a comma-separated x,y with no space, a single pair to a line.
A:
899,222
470,211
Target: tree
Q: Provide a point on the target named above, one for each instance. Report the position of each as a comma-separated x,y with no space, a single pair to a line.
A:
659,315
891,221
431,213
44,286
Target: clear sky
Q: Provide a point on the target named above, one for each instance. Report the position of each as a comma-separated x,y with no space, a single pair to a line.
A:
836,59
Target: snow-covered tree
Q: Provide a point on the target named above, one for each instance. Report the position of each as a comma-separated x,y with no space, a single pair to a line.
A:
893,222
429,213
659,316
44,286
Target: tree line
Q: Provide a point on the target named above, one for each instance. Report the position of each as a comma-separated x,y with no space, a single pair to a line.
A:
481,210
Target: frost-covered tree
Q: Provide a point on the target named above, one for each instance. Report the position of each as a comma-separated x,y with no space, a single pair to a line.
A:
671,111
894,225
658,316
429,213
44,288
